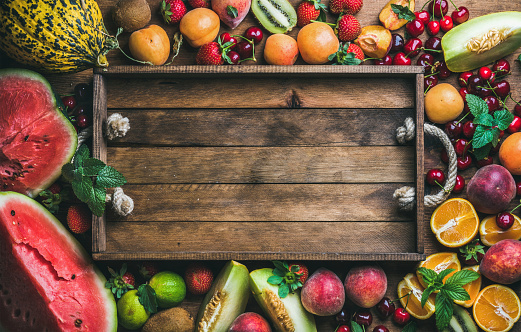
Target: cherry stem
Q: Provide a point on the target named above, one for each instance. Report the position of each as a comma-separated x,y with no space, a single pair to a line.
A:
432,74
425,4
452,4
463,117
498,97
515,208
510,95
428,49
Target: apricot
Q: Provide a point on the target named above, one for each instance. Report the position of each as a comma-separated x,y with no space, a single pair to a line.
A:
316,41
375,41
323,293
280,49
510,153
491,189
443,103
389,18
150,44
366,285
502,262
199,26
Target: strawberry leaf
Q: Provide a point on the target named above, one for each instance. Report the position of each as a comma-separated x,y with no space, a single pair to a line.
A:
283,290
275,280
279,265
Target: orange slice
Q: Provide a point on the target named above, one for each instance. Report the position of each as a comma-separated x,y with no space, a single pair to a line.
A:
472,288
496,308
439,262
455,222
491,234
410,293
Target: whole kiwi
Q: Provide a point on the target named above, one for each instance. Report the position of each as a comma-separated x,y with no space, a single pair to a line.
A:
131,15
171,320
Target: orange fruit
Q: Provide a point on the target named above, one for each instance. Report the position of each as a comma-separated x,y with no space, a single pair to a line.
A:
439,262
510,153
491,234
316,41
410,293
496,308
150,44
443,103
455,222
472,288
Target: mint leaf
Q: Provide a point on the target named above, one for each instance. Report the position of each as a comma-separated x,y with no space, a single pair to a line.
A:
232,11
476,105
147,297
355,327
98,203
444,311
462,278
504,119
92,166
82,189
275,280
482,136
68,172
455,292
444,273
429,276
483,119
108,177
482,152
426,293
403,12
410,327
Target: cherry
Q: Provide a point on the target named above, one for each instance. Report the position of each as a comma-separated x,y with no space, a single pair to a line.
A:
443,71
502,88
82,91
504,220
459,185
517,108
492,78
423,16
226,37
515,125
401,59
433,27
473,83
469,128
464,162
412,47
82,121
464,78
518,188
433,46
483,92
415,27
380,328
234,57
435,176
492,103
485,73
69,102
460,15
397,42
461,146
463,92
343,316
343,328
488,160
254,34
453,129
363,317
430,81
385,307
438,7
245,49
401,316
501,67
426,60
446,23
385,61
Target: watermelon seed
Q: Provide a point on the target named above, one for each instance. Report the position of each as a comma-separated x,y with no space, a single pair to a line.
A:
77,322
73,277
12,212
8,301
26,138
17,313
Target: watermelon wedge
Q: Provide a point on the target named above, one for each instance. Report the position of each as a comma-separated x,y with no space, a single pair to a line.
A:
36,138
47,280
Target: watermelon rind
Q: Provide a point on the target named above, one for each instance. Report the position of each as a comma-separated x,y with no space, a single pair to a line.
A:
35,142
75,285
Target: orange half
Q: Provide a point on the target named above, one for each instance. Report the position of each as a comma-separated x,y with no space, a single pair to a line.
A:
472,288
491,234
455,222
439,262
410,293
496,308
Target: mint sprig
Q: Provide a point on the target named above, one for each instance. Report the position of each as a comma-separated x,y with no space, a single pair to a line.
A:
147,297
90,179
410,327
404,12
449,291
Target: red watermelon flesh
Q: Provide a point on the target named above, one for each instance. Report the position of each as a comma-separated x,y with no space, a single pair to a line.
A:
36,139
47,280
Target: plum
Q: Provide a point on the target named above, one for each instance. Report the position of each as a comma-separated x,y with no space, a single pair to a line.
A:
491,189
248,322
502,262
366,285
323,293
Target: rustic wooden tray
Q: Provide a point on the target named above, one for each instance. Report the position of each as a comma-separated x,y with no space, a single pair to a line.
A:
262,162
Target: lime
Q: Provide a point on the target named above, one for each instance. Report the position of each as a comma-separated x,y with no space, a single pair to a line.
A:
170,288
131,314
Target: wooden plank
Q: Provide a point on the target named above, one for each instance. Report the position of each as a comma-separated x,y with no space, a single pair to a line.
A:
420,151
264,202
367,164
262,127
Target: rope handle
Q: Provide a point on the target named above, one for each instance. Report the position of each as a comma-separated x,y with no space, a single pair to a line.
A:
406,196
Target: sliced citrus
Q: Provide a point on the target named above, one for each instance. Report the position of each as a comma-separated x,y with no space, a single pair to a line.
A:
496,308
491,234
472,288
455,222
439,262
410,293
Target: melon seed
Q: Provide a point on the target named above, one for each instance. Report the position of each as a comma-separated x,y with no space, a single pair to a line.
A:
278,308
212,309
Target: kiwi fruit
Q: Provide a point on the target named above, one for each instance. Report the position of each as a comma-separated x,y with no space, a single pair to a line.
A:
131,15
226,299
287,314
174,319
276,16
461,321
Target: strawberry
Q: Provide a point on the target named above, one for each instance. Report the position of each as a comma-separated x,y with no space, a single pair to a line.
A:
356,50
210,54
472,253
302,271
79,218
198,278
54,188
172,11
350,7
347,54
288,277
199,3
148,270
347,28
309,10
120,283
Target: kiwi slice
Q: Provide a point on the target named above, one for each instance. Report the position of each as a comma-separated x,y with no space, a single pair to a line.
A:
287,314
461,321
226,299
277,16
481,40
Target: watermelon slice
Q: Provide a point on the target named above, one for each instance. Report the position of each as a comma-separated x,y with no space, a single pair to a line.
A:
47,280
36,138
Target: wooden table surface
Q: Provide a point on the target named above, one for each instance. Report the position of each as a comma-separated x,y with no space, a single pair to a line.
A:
64,84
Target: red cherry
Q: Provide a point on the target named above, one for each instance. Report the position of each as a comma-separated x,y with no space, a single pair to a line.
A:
226,37
468,129
442,69
380,328
446,23
460,15
385,61
426,60
435,176
453,129
433,46
415,27
430,81
433,27
515,125
464,78
412,47
343,316
502,88
464,162
473,83
438,7
461,146
397,42
385,307
485,73
463,92
517,108
423,16
492,103
343,328
363,317
501,67
245,49
504,220
459,185
488,160
518,188
82,121
69,102
235,57
401,59
401,316
254,34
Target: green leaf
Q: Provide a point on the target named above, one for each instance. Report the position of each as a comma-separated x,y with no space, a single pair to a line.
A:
482,136
443,311
293,287
109,177
428,275
232,11
68,172
355,327
476,105
278,272
504,119
92,166
295,268
410,327
403,12
97,205
322,16
275,280
483,119
462,278
455,292
426,293
83,189
280,265
147,297
443,274
283,290
80,155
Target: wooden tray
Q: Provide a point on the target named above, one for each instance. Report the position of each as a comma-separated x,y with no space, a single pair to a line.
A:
262,162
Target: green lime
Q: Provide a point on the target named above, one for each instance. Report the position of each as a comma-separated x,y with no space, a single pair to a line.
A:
170,288
131,314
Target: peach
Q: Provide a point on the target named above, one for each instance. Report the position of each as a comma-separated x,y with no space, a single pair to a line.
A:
365,285
150,44
199,26
502,262
491,189
221,7
375,41
389,18
316,42
280,49
248,322
323,293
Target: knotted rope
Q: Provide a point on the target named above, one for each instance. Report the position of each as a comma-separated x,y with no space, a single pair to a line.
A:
406,196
